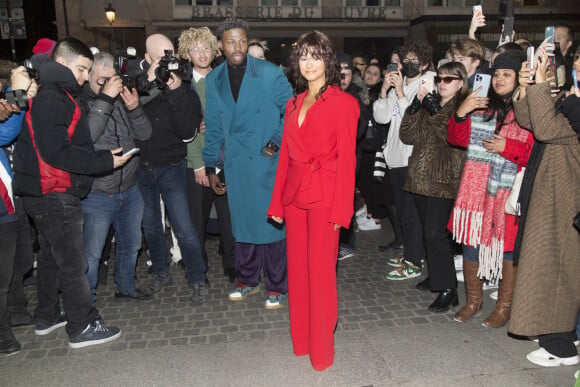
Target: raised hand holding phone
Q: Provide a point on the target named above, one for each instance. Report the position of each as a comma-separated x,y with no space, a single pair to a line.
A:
131,152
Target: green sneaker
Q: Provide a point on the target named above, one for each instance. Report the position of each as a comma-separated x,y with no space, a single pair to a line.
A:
406,271
242,291
396,261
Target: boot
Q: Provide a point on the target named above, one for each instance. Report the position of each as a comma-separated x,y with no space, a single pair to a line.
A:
474,291
501,314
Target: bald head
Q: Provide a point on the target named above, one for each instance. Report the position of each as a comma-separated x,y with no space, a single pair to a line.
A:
155,45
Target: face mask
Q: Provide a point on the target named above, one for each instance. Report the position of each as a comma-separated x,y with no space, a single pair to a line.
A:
411,70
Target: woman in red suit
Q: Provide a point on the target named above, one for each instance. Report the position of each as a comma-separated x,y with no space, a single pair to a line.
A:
313,192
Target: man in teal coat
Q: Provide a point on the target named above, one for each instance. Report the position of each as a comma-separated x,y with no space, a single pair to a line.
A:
245,101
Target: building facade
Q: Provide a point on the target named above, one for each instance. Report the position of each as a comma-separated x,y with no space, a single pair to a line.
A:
374,27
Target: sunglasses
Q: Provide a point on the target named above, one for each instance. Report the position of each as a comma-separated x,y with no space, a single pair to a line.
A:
446,80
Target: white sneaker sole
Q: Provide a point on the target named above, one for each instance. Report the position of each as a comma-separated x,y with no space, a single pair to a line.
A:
237,296
88,343
42,332
543,358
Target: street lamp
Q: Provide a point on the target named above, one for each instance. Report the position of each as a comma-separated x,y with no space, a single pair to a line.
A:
110,13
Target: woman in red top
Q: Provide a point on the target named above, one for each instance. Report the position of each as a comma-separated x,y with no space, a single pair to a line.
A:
314,192
497,148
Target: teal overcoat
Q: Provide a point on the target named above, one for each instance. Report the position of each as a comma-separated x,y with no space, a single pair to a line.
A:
245,128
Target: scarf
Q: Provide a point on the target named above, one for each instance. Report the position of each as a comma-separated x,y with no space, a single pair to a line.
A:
479,210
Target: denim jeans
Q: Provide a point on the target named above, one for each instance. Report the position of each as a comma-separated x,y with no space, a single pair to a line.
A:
123,210
62,265
472,254
170,182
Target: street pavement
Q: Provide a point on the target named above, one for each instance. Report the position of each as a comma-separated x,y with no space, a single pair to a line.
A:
385,337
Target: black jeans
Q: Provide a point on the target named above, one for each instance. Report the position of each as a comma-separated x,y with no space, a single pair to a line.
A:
434,215
408,217
23,259
7,250
62,264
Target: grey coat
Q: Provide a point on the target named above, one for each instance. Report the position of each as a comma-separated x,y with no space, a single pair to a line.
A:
112,126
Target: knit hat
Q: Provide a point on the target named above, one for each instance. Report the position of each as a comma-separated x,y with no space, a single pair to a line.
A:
44,46
511,59
345,61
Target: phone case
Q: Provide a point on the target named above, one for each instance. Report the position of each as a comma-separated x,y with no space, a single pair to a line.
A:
575,78
484,81
477,10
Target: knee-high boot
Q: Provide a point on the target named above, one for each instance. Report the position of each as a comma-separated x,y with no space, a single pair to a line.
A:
474,291
501,314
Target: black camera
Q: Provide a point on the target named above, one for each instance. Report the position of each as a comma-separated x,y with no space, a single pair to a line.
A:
121,63
32,72
16,97
169,64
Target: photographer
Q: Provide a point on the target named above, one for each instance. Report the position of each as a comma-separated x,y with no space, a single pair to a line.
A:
175,116
15,244
115,120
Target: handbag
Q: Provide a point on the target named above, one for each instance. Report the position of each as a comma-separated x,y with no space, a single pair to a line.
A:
512,206
374,137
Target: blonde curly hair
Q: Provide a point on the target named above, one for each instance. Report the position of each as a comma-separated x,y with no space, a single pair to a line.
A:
189,38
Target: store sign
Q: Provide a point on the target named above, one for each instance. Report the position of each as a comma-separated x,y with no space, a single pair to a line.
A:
291,12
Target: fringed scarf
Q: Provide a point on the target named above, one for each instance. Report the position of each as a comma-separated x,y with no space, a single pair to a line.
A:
479,210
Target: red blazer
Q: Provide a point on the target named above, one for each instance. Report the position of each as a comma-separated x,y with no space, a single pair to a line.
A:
317,160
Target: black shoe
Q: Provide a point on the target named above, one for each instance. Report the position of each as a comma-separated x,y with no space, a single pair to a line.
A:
394,245
136,294
231,274
9,345
444,300
21,320
424,285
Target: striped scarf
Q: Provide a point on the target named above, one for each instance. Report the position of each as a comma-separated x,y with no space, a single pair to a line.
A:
479,210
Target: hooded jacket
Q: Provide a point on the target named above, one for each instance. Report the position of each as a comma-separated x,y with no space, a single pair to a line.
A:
54,152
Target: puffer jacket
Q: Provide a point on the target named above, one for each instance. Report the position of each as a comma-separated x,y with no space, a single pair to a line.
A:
112,126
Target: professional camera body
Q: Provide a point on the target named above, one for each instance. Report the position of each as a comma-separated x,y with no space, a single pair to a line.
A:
169,64
121,62
19,97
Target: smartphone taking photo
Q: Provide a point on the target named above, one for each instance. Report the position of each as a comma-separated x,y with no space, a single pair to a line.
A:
530,55
131,152
391,67
483,81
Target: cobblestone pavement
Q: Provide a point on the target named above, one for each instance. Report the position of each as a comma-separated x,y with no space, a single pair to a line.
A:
385,336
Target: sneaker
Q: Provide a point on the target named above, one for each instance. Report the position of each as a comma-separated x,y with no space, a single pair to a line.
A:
396,261
460,277
21,320
369,225
344,253
407,271
576,374
242,291
361,211
544,358
275,300
136,294
159,282
494,295
198,293
9,345
95,333
536,340
458,260
44,328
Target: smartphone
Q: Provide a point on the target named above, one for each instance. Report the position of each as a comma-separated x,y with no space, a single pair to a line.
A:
508,29
530,55
575,78
429,84
477,10
483,81
392,67
549,34
131,152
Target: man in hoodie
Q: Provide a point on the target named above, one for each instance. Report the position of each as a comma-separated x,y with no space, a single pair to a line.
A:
54,161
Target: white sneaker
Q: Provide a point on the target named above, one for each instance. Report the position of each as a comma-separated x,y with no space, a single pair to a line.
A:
369,225
544,358
576,374
361,211
459,275
458,260
493,295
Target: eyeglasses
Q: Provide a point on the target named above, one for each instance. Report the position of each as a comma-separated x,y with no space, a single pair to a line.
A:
415,60
446,80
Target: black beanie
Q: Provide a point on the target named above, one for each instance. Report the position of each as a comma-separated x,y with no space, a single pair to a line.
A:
511,59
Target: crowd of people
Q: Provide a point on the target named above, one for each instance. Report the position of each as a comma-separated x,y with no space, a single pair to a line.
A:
89,158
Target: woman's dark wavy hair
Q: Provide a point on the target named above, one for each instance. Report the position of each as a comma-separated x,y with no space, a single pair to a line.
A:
319,46
500,105
456,69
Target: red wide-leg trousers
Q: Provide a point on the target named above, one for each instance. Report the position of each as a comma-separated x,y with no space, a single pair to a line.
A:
312,248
